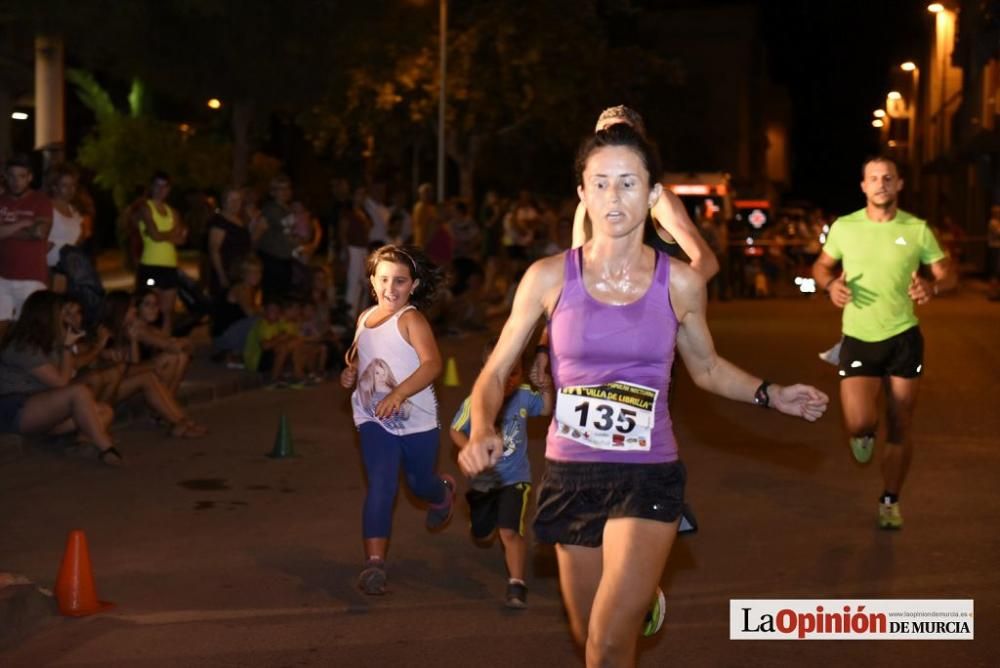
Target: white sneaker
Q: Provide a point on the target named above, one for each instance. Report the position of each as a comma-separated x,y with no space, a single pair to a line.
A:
832,356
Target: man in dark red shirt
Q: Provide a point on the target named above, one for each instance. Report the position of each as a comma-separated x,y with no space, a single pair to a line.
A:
25,221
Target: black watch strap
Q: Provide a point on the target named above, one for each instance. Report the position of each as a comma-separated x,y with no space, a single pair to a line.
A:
760,397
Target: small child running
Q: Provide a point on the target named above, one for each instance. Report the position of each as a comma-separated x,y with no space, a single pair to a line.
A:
498,497
393,362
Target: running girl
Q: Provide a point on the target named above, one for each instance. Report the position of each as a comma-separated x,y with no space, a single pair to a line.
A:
397,420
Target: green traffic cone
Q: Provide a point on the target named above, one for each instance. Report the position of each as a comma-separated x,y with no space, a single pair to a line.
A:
283,448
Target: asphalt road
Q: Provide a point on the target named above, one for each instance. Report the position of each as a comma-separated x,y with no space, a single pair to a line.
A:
218,556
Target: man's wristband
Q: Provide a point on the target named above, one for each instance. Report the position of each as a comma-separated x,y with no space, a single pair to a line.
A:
760,397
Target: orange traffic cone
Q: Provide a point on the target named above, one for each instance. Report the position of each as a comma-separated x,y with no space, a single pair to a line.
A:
75,590
451,373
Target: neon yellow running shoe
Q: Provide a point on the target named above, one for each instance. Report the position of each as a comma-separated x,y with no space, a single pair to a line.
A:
862,448
656,614
889,516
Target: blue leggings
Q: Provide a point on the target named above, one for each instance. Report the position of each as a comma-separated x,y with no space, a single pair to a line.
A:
382,453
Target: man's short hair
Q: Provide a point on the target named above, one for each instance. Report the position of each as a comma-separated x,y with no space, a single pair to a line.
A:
19,160
878,158
160,176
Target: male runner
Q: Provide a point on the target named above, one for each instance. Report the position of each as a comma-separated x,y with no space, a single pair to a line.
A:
881,248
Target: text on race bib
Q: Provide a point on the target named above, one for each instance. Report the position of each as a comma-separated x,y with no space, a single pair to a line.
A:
612,416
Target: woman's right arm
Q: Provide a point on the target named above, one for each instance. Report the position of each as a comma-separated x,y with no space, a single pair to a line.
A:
670,214
537,291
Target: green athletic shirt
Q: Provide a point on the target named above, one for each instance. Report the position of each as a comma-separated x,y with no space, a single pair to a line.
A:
878,260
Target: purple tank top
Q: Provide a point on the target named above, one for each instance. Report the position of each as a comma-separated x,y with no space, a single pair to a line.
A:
611,367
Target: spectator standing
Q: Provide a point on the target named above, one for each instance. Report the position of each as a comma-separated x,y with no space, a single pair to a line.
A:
424,215
466,233
228,242
161,231
354,232
25,221
378,213
402,231
276,243
341,203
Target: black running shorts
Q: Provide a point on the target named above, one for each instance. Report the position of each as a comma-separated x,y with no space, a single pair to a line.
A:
503,507
159,278
576,499
901,356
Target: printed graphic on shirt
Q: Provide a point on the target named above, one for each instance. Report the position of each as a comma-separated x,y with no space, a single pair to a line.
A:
612,416
374,385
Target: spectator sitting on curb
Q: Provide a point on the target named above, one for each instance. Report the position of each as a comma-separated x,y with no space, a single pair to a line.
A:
102,377
36,394
271,344
170,356
121,319
236,315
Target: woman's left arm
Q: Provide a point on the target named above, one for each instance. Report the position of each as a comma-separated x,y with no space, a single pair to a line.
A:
216,237
717,375
417,331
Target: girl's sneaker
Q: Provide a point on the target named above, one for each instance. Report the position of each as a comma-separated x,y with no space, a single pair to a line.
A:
372,579
439,514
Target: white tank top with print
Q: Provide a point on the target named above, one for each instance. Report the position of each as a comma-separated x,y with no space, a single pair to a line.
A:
385,360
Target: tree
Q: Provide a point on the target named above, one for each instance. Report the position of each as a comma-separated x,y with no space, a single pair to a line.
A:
125,149
258,56
519,74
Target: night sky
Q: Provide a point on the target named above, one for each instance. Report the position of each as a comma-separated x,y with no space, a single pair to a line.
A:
835,58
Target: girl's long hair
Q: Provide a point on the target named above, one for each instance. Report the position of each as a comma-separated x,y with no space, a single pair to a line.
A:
429,274
39,326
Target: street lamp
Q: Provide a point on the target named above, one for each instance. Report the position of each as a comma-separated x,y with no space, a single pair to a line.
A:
879,113
877,123
935,8
894,95
19,116
443,58
911,108
214,103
